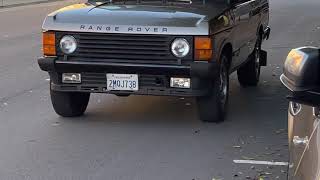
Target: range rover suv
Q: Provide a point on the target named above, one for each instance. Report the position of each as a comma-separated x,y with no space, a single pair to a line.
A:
154,47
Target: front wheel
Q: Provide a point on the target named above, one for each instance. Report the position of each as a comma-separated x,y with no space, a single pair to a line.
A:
213,107
69,104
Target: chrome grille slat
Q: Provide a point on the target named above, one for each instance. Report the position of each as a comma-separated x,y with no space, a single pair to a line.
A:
119,56
122,46
126,60
117,51
113,42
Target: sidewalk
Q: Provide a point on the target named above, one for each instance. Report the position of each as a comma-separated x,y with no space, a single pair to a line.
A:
4,3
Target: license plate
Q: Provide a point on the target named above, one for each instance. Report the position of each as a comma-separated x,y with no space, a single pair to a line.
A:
122,82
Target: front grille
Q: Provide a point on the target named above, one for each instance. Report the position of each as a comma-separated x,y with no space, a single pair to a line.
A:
100,47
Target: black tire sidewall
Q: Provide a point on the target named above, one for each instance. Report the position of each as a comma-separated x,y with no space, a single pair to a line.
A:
69,104
223,106
210,107
247,74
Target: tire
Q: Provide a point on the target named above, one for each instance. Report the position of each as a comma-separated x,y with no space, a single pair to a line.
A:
213,107
69,104
249,74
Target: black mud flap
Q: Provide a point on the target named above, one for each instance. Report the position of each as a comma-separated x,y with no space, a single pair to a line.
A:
266,33
263,58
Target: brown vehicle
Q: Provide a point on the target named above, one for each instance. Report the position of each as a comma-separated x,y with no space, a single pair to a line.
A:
156,48
302,77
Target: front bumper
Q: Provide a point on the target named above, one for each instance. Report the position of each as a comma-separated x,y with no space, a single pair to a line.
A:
154,79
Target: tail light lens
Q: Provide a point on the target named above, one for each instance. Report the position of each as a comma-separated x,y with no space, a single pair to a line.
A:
49,43
203,49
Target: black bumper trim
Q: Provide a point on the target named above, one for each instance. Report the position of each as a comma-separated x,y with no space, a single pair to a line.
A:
292,87
195,69
47,63
202,75
154,91
121,64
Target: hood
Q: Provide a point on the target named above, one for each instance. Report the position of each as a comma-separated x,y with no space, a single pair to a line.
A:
141,19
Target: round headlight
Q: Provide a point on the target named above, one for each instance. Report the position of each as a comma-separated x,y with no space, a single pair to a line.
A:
68,44
180,47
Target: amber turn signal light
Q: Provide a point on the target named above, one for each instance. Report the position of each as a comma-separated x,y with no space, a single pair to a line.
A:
49,43
203,48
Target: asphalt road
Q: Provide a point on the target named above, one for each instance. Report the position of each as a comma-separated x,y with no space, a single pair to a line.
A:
142,138
11,3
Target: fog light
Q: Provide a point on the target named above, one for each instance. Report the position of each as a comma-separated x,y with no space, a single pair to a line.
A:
180,82
71,78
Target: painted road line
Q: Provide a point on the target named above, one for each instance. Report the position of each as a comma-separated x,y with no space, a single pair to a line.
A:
269,163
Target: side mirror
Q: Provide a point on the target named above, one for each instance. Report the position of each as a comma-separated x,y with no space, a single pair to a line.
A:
302,75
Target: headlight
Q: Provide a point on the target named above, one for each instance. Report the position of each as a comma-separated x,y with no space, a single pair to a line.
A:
180,47
68,44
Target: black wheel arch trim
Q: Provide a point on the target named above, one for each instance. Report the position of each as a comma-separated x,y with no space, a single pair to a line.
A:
224,43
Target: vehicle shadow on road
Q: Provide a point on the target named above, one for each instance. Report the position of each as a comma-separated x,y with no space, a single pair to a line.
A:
143,109
253,104
159,129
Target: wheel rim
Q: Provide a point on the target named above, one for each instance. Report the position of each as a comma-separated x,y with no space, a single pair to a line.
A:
223,85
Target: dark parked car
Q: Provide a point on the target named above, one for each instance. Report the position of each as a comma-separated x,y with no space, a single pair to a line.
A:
302,77
148,47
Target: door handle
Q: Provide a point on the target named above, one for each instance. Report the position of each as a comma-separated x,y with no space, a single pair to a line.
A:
297,141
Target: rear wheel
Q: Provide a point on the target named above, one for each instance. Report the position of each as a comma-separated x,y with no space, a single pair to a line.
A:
249,74
213,107
69,104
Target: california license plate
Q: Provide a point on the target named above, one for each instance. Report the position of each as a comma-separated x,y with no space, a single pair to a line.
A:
122,82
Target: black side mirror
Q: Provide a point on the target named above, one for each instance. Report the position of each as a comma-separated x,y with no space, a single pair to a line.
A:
302,75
